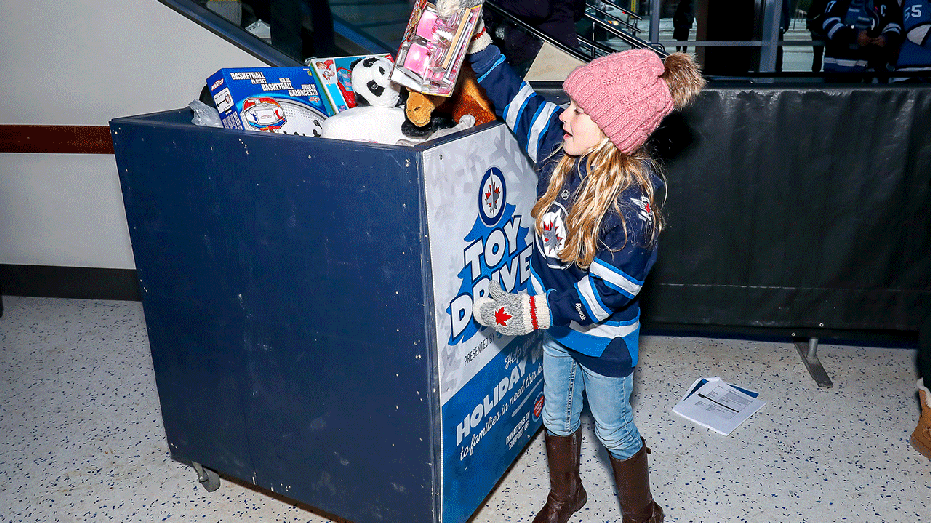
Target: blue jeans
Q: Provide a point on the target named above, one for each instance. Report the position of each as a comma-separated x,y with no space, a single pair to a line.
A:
564,381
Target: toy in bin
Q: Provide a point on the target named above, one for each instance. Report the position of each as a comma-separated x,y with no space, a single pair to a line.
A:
434,47
283,100
334,76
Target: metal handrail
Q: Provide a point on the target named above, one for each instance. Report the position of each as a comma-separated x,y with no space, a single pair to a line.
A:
631,40
628,13
608,17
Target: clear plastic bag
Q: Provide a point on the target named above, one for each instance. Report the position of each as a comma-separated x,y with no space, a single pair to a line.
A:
204,115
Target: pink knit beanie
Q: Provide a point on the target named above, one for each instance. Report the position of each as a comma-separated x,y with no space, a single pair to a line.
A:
623,94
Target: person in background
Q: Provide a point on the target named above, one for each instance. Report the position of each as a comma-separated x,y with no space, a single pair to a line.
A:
785,22
682,22
862,37
814,20
915,53
597,226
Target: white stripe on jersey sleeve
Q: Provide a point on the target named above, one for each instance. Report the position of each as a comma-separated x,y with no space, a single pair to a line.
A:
541,122
590,296
604,330
615,278
516,107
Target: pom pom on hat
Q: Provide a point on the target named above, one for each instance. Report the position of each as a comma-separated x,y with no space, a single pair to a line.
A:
624,95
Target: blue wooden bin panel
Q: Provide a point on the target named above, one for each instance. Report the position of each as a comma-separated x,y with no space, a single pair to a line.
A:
284,290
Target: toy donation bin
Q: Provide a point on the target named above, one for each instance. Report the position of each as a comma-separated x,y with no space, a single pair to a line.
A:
308,306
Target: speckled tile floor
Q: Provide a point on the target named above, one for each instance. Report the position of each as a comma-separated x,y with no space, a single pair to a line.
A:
81,436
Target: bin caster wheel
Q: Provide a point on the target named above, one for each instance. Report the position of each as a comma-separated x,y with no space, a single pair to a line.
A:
208,478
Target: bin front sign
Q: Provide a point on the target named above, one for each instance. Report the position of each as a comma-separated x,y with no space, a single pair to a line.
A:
490,386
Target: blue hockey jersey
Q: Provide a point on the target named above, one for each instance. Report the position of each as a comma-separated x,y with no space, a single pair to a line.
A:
915,53
843,22
595,312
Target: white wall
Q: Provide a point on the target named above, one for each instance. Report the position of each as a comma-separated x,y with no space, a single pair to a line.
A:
84,62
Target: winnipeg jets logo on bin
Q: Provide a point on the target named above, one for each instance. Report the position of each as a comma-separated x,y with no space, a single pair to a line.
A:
492,196
263,113
495,248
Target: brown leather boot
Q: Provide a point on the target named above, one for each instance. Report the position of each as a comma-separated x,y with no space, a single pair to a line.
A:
566,493
921,438
632,476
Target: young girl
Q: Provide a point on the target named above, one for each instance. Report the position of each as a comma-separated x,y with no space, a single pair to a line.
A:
597,222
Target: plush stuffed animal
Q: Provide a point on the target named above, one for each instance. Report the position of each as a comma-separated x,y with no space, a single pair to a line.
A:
378,114
370,82
468,98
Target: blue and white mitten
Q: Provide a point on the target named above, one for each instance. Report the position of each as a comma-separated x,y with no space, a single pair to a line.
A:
511,314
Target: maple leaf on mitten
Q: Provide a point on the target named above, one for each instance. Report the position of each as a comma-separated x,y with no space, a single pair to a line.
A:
511,314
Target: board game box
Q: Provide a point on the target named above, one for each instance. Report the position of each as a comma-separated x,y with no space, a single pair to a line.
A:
283,100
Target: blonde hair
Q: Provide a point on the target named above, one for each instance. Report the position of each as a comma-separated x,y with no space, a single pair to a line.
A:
609,173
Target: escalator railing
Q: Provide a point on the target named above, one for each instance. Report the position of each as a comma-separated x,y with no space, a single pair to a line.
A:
618,16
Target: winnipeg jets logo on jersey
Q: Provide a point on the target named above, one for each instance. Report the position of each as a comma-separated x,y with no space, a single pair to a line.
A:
553,237
643,209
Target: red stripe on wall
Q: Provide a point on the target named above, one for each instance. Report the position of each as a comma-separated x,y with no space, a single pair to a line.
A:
70,139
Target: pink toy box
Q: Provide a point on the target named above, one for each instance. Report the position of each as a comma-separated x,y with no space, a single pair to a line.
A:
434,48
